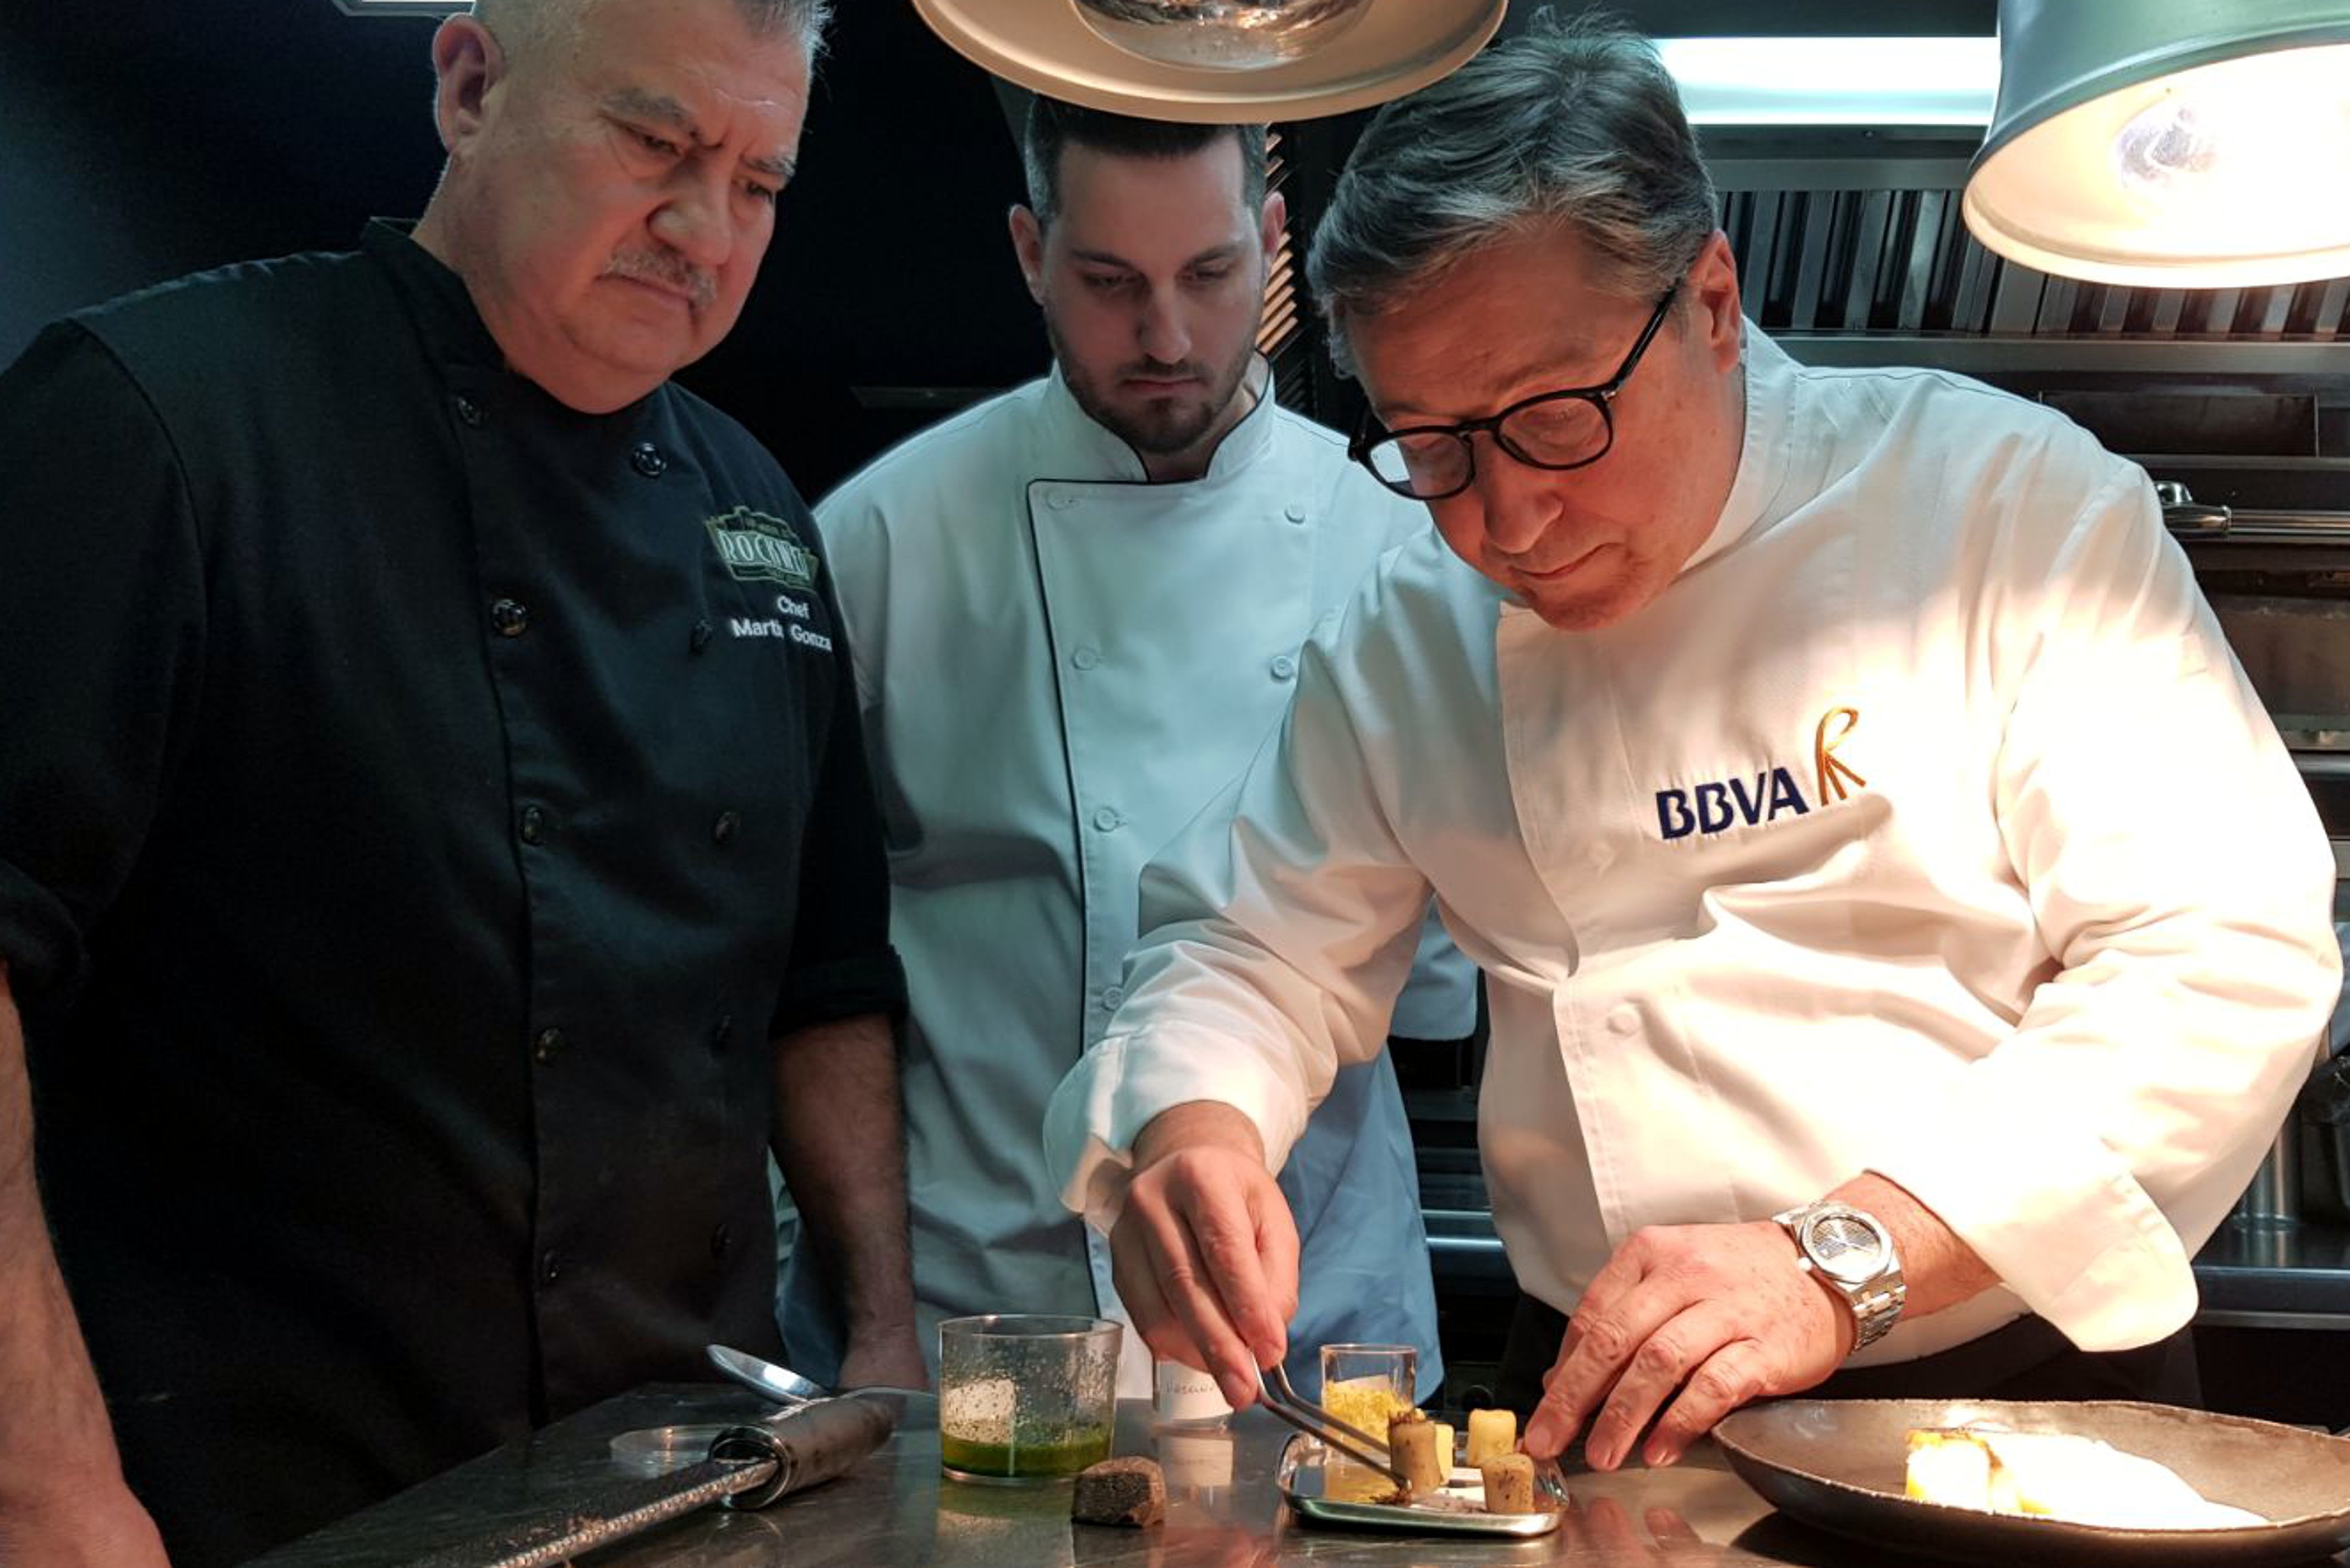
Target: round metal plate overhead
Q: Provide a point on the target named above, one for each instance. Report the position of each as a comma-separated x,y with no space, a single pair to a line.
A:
1396,46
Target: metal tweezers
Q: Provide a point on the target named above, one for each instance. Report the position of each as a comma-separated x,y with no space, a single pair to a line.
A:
1278,1397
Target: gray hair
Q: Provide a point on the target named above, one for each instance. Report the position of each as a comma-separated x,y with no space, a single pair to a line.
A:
522,25
1574,123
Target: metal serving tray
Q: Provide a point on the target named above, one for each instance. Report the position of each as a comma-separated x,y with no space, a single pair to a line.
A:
1456,1511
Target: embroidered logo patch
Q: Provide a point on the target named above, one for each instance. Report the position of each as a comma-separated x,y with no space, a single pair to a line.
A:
1771,793
760,548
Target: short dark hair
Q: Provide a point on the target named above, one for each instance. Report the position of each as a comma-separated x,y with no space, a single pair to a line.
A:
1054,125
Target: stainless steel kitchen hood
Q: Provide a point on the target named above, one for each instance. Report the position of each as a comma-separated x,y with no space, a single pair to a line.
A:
1852,234
1851,251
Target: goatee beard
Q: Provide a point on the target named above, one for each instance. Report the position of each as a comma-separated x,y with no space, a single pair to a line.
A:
1168,425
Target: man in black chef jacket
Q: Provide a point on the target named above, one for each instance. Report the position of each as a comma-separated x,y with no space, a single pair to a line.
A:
428,785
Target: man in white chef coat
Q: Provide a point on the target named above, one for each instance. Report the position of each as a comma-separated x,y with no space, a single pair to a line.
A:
1904,930
1077,609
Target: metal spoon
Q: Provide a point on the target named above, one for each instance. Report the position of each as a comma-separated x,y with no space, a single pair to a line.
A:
781,1386
763,1377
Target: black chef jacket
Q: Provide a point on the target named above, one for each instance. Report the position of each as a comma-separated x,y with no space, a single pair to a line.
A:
419,803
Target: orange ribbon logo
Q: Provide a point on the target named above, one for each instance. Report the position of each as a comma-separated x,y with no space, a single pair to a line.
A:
1832,774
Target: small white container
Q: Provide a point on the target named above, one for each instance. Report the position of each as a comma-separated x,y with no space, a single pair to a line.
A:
1180,1396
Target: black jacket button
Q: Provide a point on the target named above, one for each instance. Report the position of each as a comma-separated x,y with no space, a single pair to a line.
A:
722,1239
701,639
468,413
550,1267
647,460
511,617
724,828
547,1046
534,825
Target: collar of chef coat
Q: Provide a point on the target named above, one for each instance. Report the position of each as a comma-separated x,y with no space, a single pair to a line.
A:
456,337
438,300
1759,493
1089,452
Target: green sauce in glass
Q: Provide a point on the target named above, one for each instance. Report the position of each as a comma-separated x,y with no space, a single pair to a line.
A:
1011,1461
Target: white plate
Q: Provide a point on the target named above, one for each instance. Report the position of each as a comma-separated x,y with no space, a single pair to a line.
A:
1396,46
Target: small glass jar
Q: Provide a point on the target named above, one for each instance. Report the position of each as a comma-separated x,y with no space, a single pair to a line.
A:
1025,1397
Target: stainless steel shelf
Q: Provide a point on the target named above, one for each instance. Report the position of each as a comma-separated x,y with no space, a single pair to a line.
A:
2294,1275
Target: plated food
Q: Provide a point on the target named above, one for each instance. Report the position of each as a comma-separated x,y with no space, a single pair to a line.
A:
1412,1448
2058,1475
1491,1432
1497,1495
1509,1481
1842,1465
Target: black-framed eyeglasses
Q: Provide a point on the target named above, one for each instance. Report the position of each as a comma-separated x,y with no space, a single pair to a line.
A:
1566,428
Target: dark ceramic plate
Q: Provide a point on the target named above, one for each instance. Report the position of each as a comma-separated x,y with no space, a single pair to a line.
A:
1838,1464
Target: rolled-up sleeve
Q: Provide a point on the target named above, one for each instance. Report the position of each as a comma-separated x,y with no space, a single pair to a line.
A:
2179,873
1278,927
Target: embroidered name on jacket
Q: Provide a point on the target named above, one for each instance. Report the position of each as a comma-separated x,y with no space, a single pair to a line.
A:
757,548
1769,794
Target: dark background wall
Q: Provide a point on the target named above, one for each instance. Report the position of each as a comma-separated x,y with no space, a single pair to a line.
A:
144,138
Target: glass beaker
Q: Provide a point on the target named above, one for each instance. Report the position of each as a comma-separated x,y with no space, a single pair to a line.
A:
1025,1397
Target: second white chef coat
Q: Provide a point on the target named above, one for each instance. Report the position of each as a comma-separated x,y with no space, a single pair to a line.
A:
1924,825
1061,664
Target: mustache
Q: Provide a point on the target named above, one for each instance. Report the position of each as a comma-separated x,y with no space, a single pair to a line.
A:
668,270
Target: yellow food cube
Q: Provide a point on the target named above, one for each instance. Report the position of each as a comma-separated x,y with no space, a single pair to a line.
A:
1951,1467
1491,1432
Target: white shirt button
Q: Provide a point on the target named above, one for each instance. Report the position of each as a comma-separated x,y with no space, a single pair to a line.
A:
1107,820
1086,657
1622,1019
1600,856
1060,500
1111,997
1284,668
1295,512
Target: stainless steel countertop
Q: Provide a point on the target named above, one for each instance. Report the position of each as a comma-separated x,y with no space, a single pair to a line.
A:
896,1511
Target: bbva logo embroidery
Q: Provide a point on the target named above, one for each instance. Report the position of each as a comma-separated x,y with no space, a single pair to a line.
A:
1711,808
757,548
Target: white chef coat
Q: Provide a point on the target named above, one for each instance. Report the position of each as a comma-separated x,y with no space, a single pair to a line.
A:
1060,665
1925,825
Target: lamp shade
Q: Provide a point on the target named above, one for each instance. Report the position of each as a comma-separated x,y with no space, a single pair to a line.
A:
2175,143
1217,61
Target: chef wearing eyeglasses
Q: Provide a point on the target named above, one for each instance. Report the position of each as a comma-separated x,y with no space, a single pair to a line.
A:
1903,927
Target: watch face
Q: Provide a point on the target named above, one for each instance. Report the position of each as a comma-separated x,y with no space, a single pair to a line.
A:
1844,1246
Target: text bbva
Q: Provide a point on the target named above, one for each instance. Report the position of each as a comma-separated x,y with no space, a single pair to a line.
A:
1714,807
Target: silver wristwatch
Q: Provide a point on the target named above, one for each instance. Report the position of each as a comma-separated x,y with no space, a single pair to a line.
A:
1852,1253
